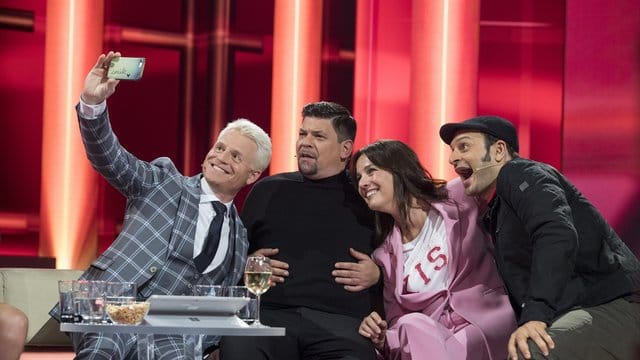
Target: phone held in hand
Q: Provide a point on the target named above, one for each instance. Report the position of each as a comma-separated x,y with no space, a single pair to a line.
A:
126,68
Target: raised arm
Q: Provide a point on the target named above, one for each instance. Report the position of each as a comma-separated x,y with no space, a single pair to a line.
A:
97,87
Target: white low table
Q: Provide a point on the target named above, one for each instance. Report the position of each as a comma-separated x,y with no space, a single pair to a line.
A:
192,328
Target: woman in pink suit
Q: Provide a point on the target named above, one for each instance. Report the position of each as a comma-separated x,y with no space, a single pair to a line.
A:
443,297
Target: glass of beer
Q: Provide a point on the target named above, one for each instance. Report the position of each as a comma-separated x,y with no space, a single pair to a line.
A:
256,278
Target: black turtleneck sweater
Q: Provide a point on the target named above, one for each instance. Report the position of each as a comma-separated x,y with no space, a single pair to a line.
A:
313,223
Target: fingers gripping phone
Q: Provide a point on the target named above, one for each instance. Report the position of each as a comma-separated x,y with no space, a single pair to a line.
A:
126,68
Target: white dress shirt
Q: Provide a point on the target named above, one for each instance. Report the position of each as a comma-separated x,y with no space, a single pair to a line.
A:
205,215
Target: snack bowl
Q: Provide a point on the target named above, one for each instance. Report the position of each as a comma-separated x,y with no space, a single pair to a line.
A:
128,314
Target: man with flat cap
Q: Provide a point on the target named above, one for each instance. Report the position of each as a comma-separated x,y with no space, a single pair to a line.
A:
575,286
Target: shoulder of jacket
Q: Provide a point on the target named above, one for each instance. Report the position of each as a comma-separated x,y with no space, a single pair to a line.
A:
519,163
515,168
523,168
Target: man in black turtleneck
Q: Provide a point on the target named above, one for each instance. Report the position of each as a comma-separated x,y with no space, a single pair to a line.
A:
318,233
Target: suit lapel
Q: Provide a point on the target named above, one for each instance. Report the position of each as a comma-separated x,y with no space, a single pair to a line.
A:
231,249
237,245
184,230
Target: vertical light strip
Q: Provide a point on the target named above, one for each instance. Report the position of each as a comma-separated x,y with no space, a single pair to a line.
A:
444,63
187,71
382,70
220,68
370,66
64,257
73,41
364,75
442,116
296,78
295,84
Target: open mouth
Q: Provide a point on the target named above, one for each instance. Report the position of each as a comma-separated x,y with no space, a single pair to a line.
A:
464,172
305,155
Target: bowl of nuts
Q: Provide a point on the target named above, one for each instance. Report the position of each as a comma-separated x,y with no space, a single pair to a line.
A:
129,313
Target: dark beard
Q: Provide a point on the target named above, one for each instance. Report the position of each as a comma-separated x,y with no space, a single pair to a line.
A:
309,169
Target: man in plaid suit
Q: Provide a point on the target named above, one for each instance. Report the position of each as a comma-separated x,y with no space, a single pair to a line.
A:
167,215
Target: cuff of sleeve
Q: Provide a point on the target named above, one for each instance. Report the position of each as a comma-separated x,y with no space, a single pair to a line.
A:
538,311
88,111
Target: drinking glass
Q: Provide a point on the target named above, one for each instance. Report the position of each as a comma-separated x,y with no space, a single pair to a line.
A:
119,293
248,312
256,278
209,290
89,300
67,310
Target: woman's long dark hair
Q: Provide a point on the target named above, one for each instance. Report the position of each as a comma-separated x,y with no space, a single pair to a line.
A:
410,180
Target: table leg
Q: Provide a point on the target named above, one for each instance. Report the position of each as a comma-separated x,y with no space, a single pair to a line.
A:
192,346
145,347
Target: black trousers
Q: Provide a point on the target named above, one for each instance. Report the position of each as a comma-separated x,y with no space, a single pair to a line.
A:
310,335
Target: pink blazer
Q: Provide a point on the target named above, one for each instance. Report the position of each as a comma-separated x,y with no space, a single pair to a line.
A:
476,292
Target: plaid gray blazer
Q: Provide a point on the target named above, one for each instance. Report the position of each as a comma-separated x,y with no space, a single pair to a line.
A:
160,219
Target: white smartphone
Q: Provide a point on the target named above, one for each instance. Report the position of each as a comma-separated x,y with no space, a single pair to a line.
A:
126,68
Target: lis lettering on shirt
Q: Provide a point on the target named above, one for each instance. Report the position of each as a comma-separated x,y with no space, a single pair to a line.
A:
436,261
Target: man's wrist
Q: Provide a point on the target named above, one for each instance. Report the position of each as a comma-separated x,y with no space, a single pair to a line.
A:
536,311
91,111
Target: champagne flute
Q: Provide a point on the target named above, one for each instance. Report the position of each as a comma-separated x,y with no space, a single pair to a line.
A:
256,278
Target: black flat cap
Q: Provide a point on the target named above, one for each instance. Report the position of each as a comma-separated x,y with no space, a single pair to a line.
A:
501,128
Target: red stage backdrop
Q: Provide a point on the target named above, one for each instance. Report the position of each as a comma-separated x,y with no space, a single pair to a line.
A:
566,72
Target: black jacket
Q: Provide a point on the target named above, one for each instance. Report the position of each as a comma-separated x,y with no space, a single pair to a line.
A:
553,248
